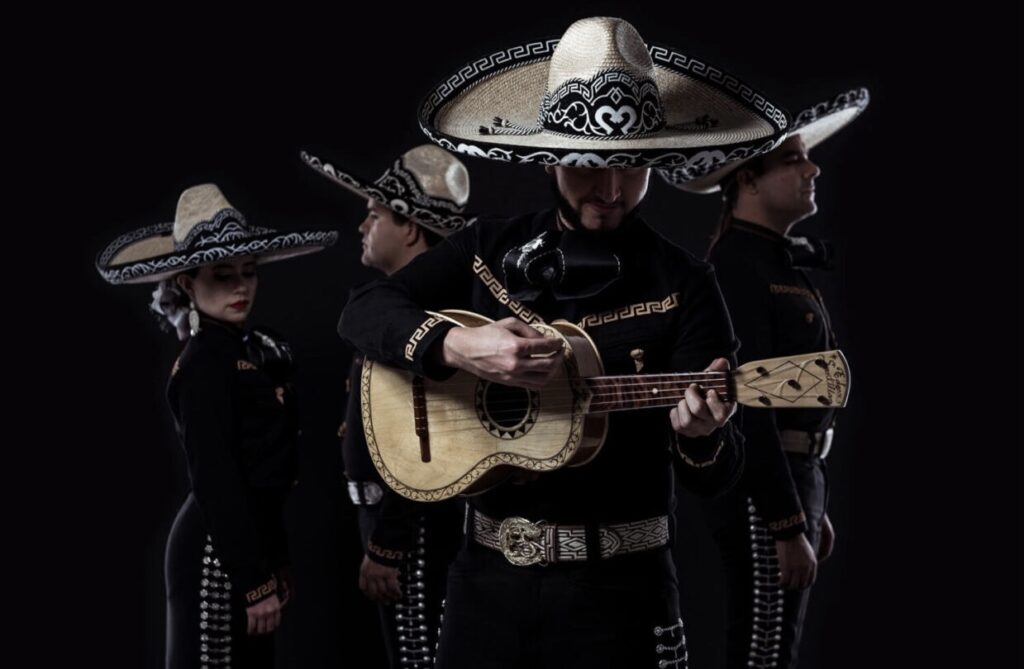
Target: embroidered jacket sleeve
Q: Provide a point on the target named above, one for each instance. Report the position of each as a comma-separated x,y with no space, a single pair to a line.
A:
767,469
395,533
386,319
207,425
706,465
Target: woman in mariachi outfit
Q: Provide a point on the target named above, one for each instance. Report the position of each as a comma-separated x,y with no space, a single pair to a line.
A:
229,391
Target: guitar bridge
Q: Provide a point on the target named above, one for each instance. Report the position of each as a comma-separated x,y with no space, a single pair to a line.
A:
419,412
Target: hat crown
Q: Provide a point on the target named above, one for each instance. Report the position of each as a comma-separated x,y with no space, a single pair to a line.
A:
595,45
204,217
601,83
196,205
438,173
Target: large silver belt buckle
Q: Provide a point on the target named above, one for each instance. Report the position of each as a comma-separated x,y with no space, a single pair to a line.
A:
521,541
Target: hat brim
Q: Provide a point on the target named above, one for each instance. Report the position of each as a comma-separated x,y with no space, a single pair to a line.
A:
710,115
438,221
814,125
147,255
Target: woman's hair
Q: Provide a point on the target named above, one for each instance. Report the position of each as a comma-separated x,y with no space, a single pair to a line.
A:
730,193
170,304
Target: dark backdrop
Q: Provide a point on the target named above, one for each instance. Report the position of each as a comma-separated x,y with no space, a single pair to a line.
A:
919,195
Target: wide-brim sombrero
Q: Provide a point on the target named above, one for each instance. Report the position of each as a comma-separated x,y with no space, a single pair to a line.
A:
427,184
814,125
206,230
601,97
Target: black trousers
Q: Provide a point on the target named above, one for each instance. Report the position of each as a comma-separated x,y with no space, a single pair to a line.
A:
764,622
410,626
206,619
618,613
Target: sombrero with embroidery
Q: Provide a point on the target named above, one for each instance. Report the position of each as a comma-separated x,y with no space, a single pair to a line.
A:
814,125
426,183
600,97
206,229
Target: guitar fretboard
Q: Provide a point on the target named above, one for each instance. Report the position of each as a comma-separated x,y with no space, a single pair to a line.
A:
620,393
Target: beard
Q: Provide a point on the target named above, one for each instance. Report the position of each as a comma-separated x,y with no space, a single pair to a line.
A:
573,218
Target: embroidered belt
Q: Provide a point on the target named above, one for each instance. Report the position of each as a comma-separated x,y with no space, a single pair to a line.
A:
523,542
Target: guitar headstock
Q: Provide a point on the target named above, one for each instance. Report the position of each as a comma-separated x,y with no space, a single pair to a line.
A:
808,381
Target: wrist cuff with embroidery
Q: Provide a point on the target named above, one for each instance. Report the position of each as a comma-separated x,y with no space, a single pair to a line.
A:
700,455
421,349
261,592
786,528
384,556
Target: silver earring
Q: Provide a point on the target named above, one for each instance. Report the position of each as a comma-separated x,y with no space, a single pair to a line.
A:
193,319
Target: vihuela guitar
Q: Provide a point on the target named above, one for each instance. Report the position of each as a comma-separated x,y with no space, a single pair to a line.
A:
431,440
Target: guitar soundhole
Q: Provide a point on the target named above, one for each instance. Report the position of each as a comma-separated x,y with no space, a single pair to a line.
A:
506,412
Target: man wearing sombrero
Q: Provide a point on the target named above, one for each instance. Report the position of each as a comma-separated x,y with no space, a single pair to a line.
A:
773,528
407,546
598,109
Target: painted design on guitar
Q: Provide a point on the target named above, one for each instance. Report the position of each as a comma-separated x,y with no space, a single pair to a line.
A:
822,377
420,333
505,411
501,293
631,311
580,400
836,381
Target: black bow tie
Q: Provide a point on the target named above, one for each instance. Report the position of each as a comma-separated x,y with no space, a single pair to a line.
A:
566,264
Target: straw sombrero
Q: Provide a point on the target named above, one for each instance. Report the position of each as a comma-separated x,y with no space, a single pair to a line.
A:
814,125
600,97
426,183
206,229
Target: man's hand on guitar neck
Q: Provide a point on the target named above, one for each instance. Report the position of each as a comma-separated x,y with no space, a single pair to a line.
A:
507,351
699,416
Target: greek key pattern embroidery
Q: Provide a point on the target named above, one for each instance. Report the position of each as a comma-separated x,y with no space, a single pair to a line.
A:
640,309
265,590
713,75
786,523
501,293
385,553
420,333
492,64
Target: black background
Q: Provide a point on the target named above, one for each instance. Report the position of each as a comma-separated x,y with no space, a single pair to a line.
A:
920,195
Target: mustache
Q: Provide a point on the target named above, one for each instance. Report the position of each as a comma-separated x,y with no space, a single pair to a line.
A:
572,216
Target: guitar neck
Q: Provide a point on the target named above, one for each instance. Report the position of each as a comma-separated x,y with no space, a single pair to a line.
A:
805,381
649,391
